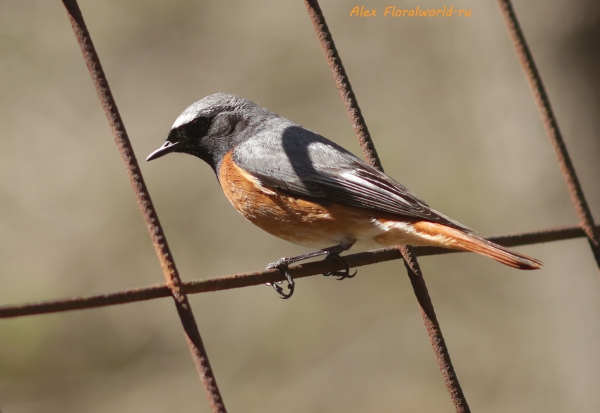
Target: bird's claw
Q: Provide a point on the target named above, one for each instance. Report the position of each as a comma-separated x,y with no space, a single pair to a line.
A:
277,264
340,274
284,268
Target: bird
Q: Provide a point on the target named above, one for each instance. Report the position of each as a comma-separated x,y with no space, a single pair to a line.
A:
300,186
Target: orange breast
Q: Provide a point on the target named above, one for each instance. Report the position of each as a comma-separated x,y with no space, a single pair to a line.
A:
297,220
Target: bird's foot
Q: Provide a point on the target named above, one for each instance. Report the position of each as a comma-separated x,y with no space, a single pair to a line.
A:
283,266
340,274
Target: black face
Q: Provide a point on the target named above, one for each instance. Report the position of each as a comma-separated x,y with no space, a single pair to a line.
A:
186,138
190,132
208,138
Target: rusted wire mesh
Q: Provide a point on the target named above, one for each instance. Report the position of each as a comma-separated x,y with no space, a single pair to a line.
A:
178,289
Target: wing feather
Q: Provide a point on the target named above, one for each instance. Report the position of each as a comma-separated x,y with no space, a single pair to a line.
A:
306,164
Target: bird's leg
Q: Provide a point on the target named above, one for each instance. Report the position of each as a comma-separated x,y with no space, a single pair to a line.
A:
343,274
332,253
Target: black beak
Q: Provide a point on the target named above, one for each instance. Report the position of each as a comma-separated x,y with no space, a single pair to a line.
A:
167,147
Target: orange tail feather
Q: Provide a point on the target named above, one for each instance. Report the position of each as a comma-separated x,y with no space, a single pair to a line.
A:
457,239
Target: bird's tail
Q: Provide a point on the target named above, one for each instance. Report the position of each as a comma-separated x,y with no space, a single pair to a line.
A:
457,239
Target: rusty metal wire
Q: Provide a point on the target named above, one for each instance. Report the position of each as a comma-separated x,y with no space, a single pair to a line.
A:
434,330
412,266
178,289
542,101
241,280
343,83
157,235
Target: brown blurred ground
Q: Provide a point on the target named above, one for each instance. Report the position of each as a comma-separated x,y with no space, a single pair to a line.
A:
450,88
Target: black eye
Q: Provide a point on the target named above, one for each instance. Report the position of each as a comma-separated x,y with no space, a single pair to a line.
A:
198,127
194,130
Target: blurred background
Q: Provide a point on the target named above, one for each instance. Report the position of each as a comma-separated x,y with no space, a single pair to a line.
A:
453,119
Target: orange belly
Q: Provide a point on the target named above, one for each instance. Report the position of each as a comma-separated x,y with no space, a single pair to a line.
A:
297,220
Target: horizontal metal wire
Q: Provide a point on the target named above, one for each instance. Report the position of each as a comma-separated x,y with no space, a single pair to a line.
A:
261,277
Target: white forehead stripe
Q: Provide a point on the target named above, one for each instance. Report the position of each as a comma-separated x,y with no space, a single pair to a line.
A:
185,117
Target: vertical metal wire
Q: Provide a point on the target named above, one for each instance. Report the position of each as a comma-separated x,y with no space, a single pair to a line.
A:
414,272
343,84
551,125
433,330
157,235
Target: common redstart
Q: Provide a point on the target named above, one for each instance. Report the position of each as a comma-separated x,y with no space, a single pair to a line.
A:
299,186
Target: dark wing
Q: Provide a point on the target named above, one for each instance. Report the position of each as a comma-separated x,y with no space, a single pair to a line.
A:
304,163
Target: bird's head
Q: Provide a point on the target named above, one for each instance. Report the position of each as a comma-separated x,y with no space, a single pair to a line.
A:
209,128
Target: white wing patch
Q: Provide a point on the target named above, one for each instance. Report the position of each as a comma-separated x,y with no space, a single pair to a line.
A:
349,176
